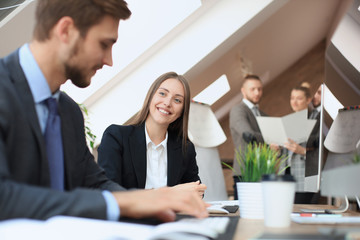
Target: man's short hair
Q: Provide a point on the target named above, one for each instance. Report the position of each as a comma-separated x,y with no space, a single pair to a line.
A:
85,13
251,77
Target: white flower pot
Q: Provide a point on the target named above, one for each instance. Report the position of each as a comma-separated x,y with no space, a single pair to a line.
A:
250,200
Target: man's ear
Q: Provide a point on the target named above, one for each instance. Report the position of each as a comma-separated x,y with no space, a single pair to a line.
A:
242,91
64,29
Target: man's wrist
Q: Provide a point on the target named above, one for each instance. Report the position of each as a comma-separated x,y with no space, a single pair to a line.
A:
112,208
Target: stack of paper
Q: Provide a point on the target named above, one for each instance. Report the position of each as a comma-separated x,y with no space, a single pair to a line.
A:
295,126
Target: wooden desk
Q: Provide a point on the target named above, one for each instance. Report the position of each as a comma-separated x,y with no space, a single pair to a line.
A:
248,228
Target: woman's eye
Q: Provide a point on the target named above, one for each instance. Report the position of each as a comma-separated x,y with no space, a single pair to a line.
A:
161,93
177,100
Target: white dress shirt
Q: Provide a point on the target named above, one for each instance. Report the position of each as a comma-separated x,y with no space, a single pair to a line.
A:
156,163
251,106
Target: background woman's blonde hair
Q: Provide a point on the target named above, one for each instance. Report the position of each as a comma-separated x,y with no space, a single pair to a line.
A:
305,84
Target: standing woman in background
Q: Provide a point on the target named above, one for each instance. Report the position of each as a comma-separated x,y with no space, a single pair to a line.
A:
300,99
153,150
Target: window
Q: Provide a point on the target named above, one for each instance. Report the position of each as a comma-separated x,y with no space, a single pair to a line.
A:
143,29
214,91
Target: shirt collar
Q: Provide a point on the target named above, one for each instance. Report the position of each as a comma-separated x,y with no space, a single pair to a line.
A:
148,140
249,104
38,85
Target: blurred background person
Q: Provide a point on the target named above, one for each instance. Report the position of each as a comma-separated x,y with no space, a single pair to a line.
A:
300,99
313,142
243,125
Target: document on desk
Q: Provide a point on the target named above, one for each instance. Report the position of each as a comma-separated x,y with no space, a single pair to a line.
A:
278,129
64,227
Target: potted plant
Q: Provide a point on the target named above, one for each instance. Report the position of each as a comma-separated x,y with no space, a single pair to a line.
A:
256,161
90,137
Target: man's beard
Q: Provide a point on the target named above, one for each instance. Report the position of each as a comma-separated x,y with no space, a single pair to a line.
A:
73,72
76,76
252,100
316,105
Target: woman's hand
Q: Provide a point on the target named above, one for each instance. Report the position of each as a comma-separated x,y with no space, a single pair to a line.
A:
197,186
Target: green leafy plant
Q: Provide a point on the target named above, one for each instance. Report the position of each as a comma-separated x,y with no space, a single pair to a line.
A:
356,158
90,137
257,160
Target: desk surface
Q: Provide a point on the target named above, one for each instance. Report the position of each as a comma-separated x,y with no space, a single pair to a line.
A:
248,228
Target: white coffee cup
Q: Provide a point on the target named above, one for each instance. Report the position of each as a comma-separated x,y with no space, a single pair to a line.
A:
278,199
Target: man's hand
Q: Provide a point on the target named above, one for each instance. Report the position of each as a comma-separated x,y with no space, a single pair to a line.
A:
161,203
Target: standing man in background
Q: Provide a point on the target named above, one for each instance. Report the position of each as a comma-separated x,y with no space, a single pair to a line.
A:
243,125
313,142
46,168
316,104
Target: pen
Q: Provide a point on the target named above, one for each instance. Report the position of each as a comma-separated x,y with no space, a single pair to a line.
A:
315,215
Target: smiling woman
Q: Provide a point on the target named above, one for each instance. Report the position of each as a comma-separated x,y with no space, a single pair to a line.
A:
300,98
153,150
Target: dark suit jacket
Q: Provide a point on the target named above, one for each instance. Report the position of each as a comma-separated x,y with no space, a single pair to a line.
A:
24,174
122,153
243,120
312,150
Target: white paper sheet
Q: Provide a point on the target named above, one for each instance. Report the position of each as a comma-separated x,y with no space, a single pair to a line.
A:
278,129
74,228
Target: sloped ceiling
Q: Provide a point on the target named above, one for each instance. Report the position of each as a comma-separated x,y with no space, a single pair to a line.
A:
267,50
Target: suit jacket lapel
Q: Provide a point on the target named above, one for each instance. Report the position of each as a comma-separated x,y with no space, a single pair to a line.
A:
252,119
26,98
137,143
175,159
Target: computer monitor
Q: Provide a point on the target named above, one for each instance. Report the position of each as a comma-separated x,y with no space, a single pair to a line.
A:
335,175
342,89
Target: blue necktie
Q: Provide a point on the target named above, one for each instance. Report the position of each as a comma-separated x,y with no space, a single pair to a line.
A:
54,148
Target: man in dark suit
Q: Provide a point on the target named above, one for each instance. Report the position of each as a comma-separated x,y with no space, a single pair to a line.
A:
243,125
72,39
313,142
